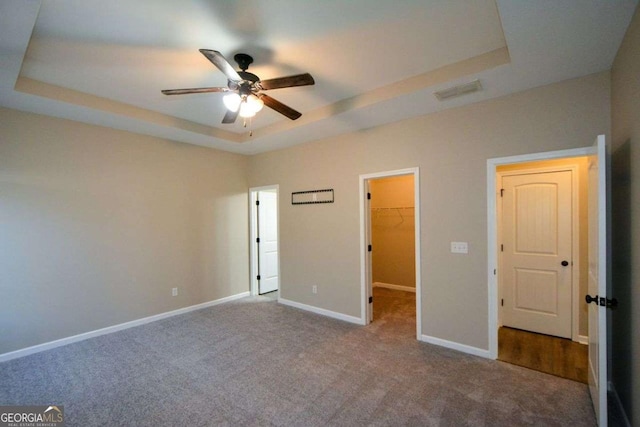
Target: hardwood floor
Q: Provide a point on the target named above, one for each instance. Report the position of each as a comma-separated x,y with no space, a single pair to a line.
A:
556,356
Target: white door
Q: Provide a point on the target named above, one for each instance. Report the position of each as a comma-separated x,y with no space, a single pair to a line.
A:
598,280
267,241
537,252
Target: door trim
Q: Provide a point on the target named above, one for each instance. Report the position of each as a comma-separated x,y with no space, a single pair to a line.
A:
365,263
492,227
575,238
253,233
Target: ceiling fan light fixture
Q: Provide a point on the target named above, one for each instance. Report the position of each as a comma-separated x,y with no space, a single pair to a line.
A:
250,105
255,103
246,111
232,101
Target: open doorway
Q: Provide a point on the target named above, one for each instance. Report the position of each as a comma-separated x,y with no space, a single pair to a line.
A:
542,265
598,255
264,241
391,262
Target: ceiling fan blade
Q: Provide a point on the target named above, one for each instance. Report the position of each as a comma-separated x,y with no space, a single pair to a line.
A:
280,107
194,90
223,65
290,81
230,117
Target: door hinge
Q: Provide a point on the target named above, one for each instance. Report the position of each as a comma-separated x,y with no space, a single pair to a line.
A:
258,277
501,192
369,248
257,240
257,202
501,248
502,302
494,271
368,196
370,300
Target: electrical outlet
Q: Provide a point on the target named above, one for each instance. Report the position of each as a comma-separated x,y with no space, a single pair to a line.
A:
314,289
174,292
459,248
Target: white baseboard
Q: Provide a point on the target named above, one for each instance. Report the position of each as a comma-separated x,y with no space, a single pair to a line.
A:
456,346
392,286
322,311
617,405
115,328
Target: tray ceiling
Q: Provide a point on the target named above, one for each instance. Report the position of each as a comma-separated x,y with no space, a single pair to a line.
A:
374,62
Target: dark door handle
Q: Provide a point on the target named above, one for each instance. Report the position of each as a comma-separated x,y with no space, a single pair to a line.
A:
564,263
604,302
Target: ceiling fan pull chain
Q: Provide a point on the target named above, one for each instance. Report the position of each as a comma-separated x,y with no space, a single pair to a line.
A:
250,119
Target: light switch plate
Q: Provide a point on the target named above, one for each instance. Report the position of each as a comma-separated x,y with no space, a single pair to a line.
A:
459,248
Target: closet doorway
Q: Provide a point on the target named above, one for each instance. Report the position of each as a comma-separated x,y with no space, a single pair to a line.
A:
390,215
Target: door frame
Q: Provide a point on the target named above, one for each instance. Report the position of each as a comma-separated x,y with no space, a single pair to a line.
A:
254,286
492,227
575,238
365,234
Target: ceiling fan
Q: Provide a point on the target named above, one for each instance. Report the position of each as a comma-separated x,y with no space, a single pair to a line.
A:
245,97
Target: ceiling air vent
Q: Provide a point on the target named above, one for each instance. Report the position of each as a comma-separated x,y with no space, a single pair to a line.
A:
459,90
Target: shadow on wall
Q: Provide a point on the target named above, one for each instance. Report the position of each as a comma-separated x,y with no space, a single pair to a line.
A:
621,316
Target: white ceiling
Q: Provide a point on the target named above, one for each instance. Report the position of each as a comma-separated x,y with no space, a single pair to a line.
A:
374,61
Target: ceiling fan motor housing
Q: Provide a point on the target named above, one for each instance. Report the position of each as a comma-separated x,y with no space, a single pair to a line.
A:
245,88
248,76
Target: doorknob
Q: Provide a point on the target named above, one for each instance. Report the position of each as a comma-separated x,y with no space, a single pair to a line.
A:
591,299
564,263
604,302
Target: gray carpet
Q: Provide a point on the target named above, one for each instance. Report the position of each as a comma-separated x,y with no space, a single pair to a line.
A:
255,362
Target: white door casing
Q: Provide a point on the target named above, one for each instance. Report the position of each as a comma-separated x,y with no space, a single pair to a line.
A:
493,247
536,249
598,279
254,255
268,241
369,271
365,234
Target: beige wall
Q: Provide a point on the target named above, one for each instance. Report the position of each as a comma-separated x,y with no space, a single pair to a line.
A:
581,164
320,243
625,89
393,230
97,226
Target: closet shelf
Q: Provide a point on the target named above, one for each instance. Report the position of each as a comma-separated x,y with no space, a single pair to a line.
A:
398,210
391,208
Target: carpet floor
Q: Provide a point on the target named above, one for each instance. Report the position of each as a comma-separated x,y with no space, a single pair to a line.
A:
256,362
